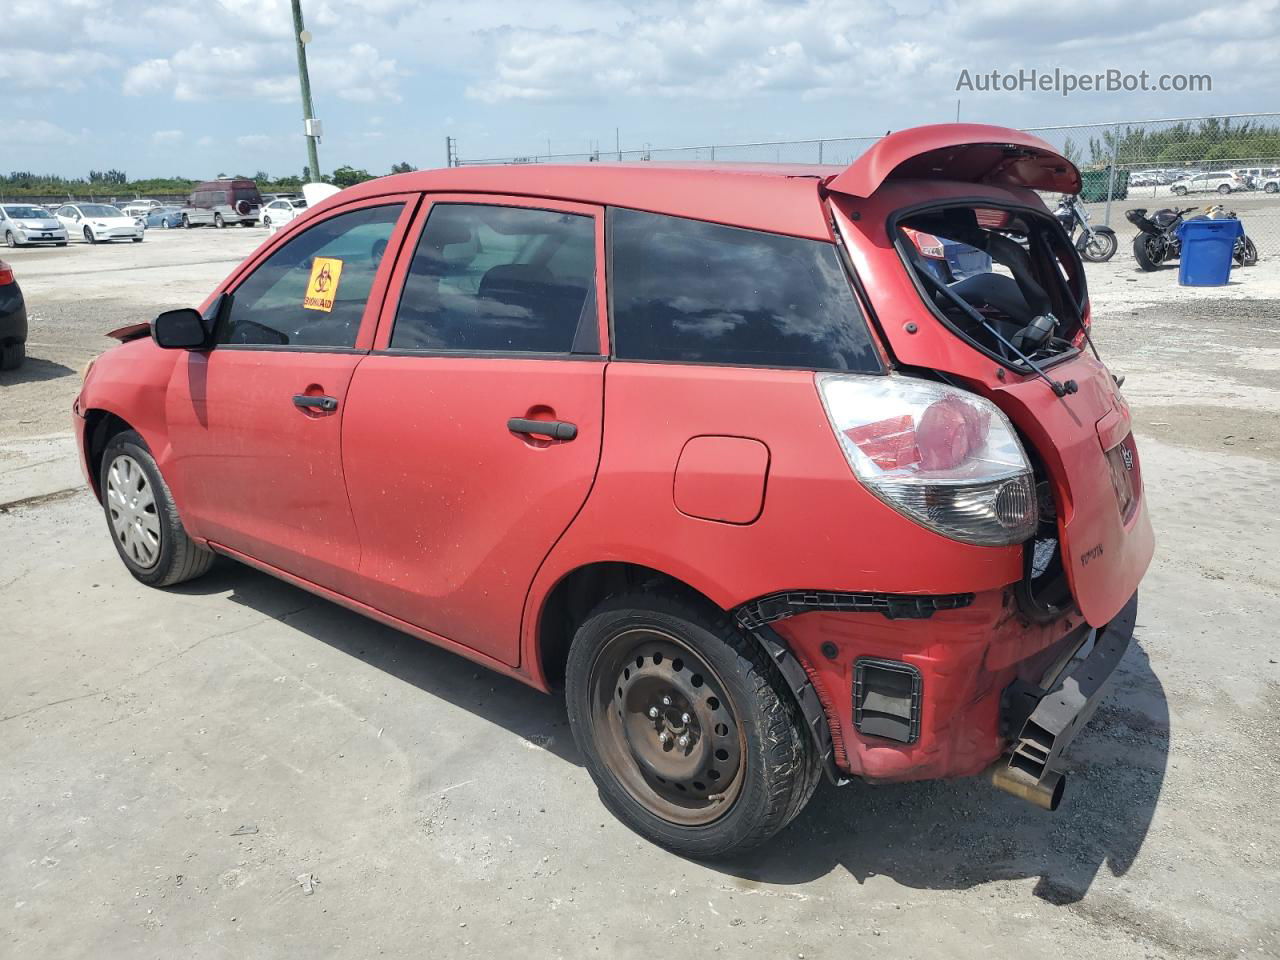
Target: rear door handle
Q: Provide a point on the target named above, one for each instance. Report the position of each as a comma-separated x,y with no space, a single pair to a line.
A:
304,401
555,429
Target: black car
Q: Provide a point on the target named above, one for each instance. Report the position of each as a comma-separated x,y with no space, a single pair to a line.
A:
13,320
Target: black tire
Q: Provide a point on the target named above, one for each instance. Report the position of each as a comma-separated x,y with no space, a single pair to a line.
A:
137,239
1246,253
186,222
164,224
178,557
9,239
89,237
1271,187
218,221
266,222
1101,248
12,355
1224,188
61,243
776,765
1147,251
1179,191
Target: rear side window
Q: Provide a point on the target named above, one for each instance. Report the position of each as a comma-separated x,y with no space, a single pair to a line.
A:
686,291
499,279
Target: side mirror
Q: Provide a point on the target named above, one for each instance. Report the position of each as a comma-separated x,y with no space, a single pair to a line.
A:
180,330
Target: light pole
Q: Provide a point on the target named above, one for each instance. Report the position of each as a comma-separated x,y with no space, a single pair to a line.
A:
310,124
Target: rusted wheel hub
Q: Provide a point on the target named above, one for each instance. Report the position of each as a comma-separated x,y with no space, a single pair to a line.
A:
666,726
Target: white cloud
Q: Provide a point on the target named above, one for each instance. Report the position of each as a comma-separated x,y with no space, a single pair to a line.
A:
254,141
161,137
150,76
21,131
60,69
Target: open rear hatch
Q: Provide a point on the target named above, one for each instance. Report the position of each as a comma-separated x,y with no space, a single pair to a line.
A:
1029,316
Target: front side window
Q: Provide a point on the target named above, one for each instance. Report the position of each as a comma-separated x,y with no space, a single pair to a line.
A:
499,279
686,291
312,291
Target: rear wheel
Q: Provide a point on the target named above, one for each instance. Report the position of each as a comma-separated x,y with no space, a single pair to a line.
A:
218,221
1148,251
12,355
186,222
142,518
1224,188
687,729
1246,253
1180,191
1271,187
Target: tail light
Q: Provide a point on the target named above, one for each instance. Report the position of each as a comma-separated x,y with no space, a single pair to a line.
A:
1086,327
6,274
926,243
945,458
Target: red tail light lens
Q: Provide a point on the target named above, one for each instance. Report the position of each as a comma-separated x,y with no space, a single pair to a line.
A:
946,458
928,245
6,274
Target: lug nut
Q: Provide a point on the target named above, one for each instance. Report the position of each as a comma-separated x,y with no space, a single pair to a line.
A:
666,701
683,742
653,713
685,718
664,738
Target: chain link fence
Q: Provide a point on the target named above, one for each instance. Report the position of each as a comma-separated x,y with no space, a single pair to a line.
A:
1195,162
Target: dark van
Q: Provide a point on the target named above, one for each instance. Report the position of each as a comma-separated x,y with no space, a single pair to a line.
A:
220,202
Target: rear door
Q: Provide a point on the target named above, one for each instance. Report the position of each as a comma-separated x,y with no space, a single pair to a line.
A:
472,432
255,423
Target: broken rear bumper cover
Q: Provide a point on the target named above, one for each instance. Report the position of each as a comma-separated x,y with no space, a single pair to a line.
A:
947,696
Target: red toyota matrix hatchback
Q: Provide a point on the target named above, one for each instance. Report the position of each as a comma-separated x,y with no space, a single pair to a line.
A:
720,452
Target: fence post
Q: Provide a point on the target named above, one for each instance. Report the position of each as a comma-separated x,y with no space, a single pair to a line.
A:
819,153
1111,175
713,154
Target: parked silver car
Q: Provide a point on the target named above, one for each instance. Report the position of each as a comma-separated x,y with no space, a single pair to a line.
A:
23,223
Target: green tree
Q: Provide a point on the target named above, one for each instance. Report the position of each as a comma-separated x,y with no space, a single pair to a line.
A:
346,176
403,168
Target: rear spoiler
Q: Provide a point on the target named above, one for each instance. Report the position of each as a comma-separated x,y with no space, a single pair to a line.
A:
132,331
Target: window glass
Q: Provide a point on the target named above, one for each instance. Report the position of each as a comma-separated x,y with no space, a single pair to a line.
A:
312,291
488,278
694,292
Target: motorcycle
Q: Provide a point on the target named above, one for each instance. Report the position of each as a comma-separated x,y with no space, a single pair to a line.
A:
1157,241
1096,244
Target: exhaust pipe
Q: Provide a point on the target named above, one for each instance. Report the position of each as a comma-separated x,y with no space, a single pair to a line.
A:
1045,792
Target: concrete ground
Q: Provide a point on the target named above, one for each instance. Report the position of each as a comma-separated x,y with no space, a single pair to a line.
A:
236,768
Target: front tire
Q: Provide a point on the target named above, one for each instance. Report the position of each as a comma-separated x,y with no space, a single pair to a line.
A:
1179,191
12,355
1148,251
1246,253
1099,248
88,236
218,221
186,222
1224,189
687,729
1271,187
142,517
9,239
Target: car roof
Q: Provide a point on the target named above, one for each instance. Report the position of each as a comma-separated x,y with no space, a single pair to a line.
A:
779,198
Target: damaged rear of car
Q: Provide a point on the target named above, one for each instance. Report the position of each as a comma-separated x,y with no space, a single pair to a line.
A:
1016,434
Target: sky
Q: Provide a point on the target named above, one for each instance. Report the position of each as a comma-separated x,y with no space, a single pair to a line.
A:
202,87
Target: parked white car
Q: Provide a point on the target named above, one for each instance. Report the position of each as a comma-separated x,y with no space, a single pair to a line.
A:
23,223
279,212
140,208
1220,181
97,222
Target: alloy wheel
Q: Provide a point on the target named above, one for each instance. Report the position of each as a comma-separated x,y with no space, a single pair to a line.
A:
131,503
665,726
9,238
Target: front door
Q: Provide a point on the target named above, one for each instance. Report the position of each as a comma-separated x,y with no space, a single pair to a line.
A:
255,422
472,432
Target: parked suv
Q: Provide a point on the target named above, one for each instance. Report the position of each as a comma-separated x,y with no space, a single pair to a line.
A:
1221,182
219,202
769,499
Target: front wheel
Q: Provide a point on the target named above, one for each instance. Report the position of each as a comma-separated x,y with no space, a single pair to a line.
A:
142,517
1271,187
1245,254
1149,251
1224,189
687,729
9,239
186,222
218,221
88,236
1179,191
1100,247
164,224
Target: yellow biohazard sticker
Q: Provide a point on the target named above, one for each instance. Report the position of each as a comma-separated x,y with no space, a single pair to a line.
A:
322,288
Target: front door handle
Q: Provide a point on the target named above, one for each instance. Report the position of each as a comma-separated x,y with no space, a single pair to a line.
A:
555,429
305,401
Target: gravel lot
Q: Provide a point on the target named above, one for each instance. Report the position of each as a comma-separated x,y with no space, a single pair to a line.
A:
174,761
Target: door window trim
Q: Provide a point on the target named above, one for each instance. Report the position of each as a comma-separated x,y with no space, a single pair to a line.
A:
409,247
377,293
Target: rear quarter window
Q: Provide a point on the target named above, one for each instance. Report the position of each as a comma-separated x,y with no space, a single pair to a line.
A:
686,291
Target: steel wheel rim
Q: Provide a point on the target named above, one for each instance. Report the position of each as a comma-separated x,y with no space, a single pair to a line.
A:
644,683
131,507
1100,245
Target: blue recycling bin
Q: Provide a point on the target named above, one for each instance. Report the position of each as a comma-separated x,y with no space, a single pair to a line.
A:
1207,247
